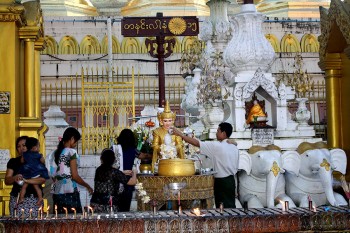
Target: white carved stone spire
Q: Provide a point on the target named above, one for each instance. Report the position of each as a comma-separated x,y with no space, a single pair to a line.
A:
248,49
217,28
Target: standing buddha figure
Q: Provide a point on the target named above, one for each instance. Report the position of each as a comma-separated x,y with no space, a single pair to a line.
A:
166,120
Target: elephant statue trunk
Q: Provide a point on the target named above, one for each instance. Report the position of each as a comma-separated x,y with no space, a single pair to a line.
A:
271,182
326,180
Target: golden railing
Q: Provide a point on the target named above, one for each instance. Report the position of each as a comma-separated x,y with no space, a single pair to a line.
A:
68,92
107,104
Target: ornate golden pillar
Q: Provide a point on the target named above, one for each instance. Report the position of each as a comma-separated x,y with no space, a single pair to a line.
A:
39,46
30,122
332,65
11,78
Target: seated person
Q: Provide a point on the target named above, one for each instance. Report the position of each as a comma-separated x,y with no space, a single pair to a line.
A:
166,120
255,111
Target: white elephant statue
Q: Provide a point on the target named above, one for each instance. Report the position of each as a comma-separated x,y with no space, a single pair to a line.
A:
309,176
261,182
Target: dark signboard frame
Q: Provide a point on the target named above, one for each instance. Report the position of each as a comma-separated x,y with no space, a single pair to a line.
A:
155,26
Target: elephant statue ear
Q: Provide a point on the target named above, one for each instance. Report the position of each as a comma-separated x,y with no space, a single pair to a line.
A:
339,160
245,162
291,162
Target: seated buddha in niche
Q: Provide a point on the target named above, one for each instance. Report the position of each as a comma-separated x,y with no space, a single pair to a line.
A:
255,111
166,120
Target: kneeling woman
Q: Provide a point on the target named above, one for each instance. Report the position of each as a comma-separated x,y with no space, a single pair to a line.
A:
107,183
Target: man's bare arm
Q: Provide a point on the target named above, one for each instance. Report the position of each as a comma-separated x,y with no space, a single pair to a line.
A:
190,140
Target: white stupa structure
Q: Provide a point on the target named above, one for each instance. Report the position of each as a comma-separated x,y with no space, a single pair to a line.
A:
248,57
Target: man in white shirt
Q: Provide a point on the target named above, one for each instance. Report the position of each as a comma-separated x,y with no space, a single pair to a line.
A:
224,155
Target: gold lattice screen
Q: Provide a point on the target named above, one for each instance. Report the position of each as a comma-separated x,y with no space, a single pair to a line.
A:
107,105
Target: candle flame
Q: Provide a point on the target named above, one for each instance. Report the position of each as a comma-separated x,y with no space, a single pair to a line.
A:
73,209
90,208
197,212
55,207
40,208
30,210
48,207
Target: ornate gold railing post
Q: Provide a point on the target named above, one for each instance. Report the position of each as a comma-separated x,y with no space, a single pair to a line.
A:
332,66
39,45
29,70
31,34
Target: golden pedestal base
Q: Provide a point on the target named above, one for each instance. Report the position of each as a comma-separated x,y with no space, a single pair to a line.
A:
176,167
198,187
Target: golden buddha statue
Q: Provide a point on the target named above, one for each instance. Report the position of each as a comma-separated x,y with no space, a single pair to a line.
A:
166,121
255,112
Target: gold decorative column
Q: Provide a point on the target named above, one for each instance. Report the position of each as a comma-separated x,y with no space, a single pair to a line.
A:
11,78
332,65
30,122
39,46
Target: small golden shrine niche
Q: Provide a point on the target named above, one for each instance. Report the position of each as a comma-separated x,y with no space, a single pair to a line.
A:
255,112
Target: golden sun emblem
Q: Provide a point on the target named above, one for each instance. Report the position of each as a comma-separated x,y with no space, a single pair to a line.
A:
177,26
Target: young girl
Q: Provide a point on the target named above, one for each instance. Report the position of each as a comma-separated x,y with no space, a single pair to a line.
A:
65,163
33,167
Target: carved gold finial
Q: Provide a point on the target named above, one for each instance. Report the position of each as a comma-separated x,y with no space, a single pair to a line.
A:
325,164
167,113
275,168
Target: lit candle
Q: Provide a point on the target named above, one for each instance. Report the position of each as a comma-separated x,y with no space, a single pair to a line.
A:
22,212
283,206
30,213
47,211
111,204
92,211
56,211
197,212
111,200
75,213
83,211
40,215
310,205
66,211
286,206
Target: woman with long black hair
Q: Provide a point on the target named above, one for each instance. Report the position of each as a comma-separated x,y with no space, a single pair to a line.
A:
126,153
66,177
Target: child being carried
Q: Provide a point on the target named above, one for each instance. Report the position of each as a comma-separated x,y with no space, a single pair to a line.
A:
33,167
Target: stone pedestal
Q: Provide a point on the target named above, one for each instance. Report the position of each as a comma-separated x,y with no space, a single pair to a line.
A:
54,119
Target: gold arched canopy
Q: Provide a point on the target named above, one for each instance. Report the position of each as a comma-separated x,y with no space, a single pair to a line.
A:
68,45
335,62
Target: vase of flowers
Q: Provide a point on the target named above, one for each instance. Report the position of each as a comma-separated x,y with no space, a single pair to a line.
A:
143,137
